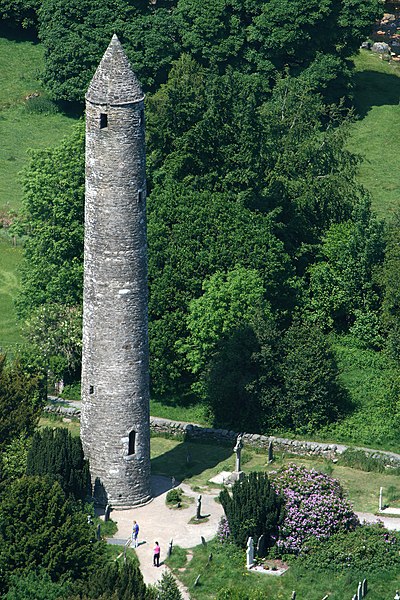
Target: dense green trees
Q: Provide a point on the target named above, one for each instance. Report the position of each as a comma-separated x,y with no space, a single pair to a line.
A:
253,509
21,400
314,37
39,527
255,216
57,454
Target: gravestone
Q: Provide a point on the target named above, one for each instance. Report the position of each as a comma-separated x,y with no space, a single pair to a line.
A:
173,482
198,508
364,588
397,596
250,553
170,548
359,591
380,498
107,513
293,595
203,541
98,532
197,580
262,546
270,452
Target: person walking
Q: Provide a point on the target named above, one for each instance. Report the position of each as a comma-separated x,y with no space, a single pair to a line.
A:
156,555
135,533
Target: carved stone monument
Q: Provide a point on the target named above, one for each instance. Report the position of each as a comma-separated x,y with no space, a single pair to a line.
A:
250,553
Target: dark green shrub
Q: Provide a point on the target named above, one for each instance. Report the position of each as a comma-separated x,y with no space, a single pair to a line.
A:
42,106
59,455
174,496
253,509
367,549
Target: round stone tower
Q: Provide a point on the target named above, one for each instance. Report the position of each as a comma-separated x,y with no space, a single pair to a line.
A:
115,427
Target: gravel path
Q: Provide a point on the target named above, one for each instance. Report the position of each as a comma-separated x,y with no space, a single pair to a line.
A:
159,523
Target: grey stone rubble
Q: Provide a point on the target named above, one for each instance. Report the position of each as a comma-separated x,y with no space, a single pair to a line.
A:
192,431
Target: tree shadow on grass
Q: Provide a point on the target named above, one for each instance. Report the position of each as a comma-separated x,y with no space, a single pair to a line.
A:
375,89
189,459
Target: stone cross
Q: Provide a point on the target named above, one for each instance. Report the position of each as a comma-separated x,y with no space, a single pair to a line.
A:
250,553
262,546
198,509
238,449
364,588
359,591
380,499
270,452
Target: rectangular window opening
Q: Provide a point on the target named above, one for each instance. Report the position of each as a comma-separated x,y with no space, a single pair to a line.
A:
91,389
140,196
103,120
141,117
132,440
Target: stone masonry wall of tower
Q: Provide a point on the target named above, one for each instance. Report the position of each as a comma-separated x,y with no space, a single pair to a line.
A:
115,427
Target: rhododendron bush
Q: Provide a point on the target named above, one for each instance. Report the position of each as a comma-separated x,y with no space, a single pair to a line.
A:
315,507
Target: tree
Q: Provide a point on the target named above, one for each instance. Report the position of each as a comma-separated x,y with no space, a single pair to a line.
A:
39,527
115,581
343,282
388,278
59,455
230,300
56,332
167,587
254,509
35,586
191,235
313,393
52,215
21,13
21,401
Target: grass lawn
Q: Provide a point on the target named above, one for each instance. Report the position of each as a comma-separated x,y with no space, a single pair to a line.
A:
169,457
10,257
374,135
226,571
20,130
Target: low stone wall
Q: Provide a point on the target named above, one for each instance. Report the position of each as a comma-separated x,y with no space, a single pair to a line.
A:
255,440
192,431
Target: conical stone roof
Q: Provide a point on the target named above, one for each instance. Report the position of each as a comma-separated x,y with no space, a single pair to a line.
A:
114,81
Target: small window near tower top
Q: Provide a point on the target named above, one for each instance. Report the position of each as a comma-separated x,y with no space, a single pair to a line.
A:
141,116
91,389
132,440
103,120
140,196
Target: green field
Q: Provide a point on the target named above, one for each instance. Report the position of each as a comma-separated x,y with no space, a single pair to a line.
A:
375,134
22,126
9,283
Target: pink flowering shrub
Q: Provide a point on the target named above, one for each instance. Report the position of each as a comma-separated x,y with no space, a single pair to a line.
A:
315,507
223,531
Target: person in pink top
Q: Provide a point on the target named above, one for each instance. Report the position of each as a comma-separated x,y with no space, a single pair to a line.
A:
156,555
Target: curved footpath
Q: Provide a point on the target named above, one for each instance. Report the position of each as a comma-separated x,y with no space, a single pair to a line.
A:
158,522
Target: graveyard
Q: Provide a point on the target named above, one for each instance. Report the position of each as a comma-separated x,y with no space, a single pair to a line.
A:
229,170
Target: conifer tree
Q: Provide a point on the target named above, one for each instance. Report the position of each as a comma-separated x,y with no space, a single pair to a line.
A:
254,509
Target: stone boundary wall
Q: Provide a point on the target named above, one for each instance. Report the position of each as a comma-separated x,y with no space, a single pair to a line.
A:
192,431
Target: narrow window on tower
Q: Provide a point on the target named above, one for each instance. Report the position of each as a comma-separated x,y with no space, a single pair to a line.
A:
141,116
103,120
91,389
140,196
132,439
